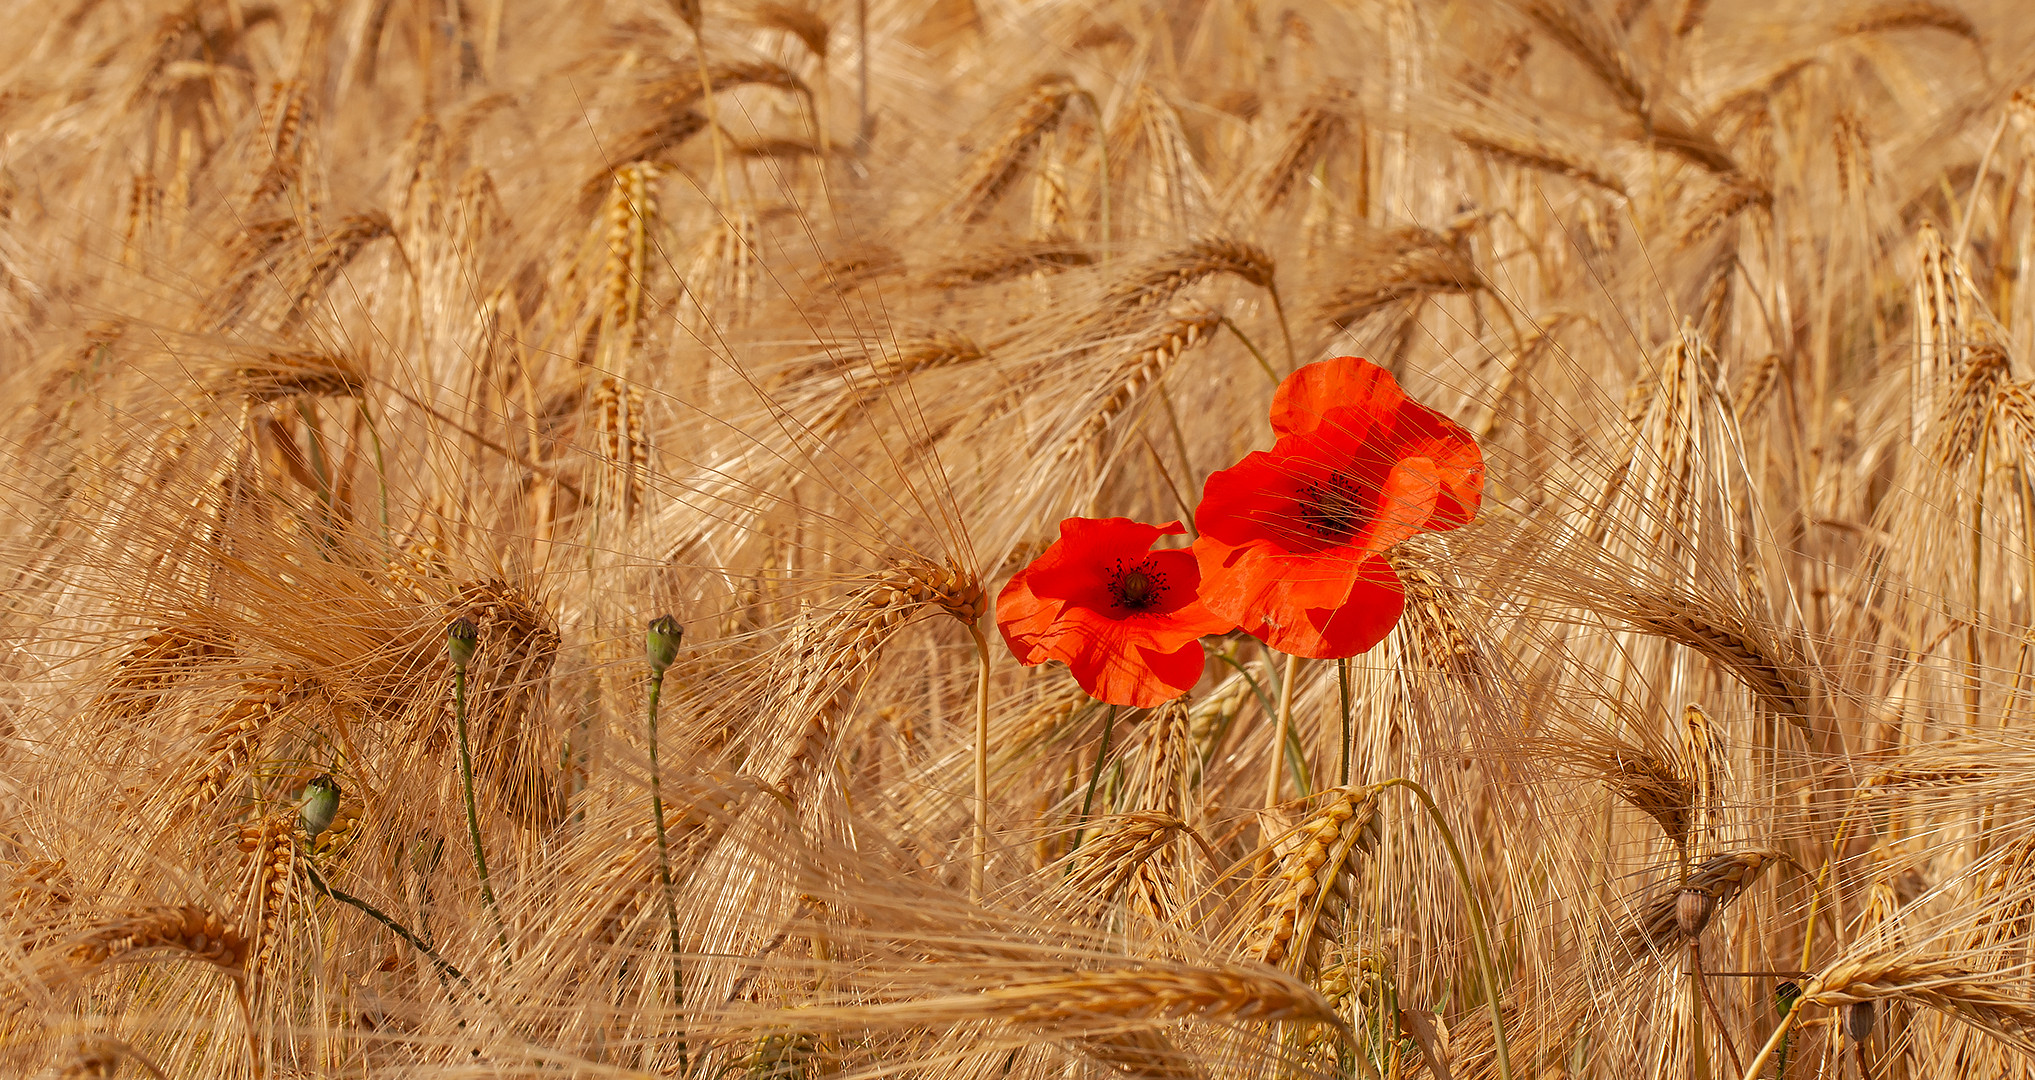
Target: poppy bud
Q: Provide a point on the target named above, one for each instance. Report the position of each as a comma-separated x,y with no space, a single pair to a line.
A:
1858,1020
460,639
1785,996
321,805
660,646
1692,911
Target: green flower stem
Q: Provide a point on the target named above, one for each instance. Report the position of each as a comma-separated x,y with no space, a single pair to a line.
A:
1094,777
1342,675
1480,930
480,859
1777,1040
444,966
664,866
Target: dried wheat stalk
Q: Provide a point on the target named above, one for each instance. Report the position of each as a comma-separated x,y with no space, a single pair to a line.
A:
1911,15
1184,330
1539,155
1768,665
187,929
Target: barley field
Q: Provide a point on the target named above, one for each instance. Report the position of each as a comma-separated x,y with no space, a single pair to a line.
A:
531,531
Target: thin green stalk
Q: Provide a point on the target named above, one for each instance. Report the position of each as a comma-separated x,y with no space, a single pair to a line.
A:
1255,354
1778,1039
1094,777
444,966
1479,928
664,866
381,469
1279,309
1342,676
480,860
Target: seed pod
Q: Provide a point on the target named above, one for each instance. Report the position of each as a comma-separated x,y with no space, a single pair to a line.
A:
321,805
660,646
460,639
1692,911
1858,1020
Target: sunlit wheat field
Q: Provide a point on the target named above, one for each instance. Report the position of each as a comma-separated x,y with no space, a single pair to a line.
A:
377,371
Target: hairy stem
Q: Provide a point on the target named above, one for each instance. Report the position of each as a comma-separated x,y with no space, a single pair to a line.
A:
1777,1040
444,966
664,866
1094,777
480,859
1342,676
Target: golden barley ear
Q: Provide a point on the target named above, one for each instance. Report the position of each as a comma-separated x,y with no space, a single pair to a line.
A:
99,1057
1404,265
509,681
1309,882
187,930
1539,155
1910,15
1720,879
1037,110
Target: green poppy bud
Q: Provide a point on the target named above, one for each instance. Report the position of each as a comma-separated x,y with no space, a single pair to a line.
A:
661,644
1785,996
321,805
460,639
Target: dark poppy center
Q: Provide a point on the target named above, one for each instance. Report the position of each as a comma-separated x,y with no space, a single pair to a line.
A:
1137,588
1336,507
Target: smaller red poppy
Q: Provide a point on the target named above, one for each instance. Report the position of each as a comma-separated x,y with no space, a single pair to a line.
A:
1124,618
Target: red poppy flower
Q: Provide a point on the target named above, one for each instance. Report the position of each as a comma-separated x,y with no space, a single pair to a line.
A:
1125,618
1292,539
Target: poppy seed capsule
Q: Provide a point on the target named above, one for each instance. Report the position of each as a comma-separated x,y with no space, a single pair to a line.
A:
460,639
321,805
1858,1020
660,645
1692,911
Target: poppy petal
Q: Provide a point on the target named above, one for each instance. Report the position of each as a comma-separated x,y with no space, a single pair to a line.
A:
1070,569
1307,396
1125,619
1355,626
1114,663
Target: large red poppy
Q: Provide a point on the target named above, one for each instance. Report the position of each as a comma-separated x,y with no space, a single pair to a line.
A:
1125,618
1292,539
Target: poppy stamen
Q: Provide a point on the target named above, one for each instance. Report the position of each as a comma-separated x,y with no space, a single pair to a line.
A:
1137,588
1334,508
